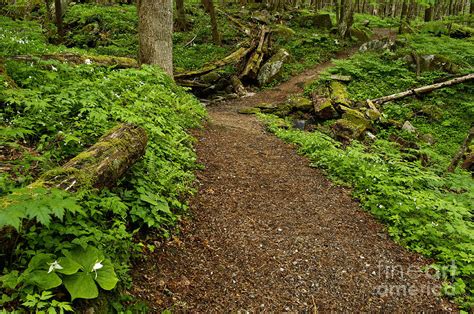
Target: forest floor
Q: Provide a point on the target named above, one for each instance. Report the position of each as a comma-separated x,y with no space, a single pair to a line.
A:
270,233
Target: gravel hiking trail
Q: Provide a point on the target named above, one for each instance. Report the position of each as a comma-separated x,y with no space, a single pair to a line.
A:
269,233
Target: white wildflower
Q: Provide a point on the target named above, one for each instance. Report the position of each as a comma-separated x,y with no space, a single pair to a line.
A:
53,266
54,68
88,61
98,265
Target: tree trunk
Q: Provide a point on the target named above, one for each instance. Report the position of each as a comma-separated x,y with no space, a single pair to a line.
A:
346,18
467,141
181,16
102,164
59,19
424,89
429,13
155,30
209,6
403,16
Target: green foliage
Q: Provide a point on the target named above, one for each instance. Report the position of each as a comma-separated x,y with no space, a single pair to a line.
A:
375,21
455,50
48,203
57,112
110,30
426,212
425,209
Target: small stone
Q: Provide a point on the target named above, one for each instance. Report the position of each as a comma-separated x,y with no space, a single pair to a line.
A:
428,138
407,126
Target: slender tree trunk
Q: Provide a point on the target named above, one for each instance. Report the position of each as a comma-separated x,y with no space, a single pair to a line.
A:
181,16
403,15
155,30
429,13
209,6
59,18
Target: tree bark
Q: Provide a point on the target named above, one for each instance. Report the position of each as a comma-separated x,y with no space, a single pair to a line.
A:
234,57
346,18
155,30
209,6
428,13
102,164
467,141
181,16
424,89
59,18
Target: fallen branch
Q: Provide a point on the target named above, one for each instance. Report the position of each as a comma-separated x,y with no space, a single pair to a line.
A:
253,65
467,141
102,164
118,62
247,30
234,57
190,42
423,90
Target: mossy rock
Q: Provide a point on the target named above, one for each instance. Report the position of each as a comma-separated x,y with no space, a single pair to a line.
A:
323,108
283,31
322,21
299,103
251,110
339,94
373,114
359,34
210,77
348,130
271,70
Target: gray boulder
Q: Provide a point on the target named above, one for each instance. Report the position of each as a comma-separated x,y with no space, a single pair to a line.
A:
272,68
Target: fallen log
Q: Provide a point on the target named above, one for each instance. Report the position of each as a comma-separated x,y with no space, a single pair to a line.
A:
118,62
423,90
247,30
253,64
234,57
102,164
467,141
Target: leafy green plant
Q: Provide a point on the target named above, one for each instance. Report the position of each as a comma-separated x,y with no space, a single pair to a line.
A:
42,303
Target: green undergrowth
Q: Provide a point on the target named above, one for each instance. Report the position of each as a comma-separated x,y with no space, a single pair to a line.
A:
307,47
425,208
112,30
57,111
424,211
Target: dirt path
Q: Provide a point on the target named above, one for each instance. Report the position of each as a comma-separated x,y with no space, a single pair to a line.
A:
269,233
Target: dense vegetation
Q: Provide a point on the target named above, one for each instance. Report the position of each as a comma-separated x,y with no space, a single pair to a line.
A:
55,111
84,242
407,187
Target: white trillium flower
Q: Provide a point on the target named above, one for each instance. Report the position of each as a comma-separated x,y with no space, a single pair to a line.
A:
98,265
88,61
53,266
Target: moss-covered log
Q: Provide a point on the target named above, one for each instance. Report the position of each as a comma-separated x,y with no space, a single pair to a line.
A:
234,57
103,163
118,62
253,65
